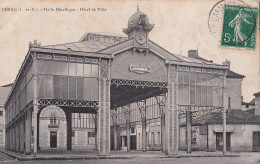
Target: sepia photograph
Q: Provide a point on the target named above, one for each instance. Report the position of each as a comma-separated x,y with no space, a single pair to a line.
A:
130,81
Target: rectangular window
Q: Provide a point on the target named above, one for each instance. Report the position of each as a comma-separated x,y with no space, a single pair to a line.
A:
180,78
186,78
40,85
48,86
80,83
72,88
204,95
64,68
56,68
186,94
180,94
87,70
49,67
94,71
91,138
210,80
64,87
79,69
192,94
132,130
210,96
198,95
198,79
192,78
152,138
72,69
91,134
204,79
194,137
90,89
56,83
1,113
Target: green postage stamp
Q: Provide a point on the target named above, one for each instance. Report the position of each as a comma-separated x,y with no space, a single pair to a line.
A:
239,27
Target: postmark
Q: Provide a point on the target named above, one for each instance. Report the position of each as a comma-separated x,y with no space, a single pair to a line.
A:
216,16
239,26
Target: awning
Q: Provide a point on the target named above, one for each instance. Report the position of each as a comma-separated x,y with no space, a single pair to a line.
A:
228,129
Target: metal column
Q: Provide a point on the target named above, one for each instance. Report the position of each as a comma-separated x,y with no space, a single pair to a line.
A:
188,131
28,132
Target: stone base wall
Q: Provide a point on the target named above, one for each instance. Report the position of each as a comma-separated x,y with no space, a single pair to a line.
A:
241,139
199,139
80,141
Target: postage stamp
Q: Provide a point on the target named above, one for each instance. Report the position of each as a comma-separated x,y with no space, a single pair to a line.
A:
239,26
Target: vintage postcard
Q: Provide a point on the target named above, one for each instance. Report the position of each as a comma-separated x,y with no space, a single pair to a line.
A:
130,81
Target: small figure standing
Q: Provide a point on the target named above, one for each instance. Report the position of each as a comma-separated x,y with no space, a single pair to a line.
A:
238,35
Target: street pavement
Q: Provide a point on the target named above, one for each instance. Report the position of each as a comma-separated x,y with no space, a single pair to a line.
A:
5,158
245,158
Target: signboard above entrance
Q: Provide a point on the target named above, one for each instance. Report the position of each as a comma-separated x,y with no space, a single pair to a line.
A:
140,69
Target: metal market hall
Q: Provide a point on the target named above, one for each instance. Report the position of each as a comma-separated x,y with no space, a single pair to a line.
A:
105,93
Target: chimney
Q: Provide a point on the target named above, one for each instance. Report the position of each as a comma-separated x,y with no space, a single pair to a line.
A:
257,104
193,54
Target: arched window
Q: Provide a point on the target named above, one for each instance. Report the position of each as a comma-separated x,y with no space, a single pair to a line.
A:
52,113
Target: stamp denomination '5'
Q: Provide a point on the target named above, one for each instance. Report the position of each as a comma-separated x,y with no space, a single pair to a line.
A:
239,27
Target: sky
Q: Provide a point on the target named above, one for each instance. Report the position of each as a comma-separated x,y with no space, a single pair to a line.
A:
178,27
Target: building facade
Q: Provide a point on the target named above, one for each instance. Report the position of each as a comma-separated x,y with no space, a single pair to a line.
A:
243,130
4,91
81,94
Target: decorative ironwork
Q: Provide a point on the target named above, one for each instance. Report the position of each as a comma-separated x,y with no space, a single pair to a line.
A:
104,68
113,116
141,106
195,69
161,102
83,129
139,83
53,126
172,73
154,120
34,44
197,110
126,110
52,111
70,103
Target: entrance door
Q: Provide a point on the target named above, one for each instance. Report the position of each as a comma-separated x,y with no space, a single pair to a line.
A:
219,141
256,141
133,142
53,139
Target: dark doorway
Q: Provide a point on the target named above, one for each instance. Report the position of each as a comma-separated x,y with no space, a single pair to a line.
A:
124,141
133,142
219,141
256,141
53,139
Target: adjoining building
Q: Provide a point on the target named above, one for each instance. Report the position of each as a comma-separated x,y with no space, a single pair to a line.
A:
4,91
248,105
243,130
82,95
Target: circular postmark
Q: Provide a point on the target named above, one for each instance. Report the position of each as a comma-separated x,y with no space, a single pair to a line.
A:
216,15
